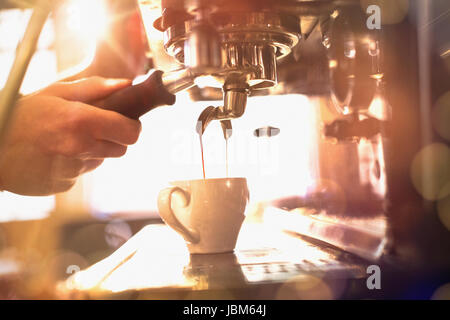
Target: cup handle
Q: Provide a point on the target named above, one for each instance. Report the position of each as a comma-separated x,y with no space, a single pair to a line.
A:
169,217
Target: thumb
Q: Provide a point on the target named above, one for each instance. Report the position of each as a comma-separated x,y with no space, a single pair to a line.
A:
86,90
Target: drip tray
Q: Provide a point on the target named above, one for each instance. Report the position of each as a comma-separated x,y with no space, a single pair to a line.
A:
155,263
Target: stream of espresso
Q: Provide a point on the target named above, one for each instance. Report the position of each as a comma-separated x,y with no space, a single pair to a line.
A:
203,156
203,159
207,115
226,156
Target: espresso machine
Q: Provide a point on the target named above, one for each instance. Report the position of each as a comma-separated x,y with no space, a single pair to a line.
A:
375,83
231,51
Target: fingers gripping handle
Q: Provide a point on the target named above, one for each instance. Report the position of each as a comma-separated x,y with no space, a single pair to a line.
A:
169,217
136,100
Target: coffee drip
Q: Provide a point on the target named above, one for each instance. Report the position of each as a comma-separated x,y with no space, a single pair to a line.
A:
203,121
203,158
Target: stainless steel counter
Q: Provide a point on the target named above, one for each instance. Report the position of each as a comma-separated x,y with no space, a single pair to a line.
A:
267,264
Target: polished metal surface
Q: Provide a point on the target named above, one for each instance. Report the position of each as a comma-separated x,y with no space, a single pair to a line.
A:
224,43
202,52
178,80
235,102
247,46
257,63
280,31
155,263
205,118
208,115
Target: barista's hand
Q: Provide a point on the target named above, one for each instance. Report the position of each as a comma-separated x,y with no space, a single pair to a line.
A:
55,136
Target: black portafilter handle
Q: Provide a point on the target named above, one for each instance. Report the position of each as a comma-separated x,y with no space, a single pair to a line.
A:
136,100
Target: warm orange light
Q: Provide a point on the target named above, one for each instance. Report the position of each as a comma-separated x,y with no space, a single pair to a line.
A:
377,106
129,267
88,18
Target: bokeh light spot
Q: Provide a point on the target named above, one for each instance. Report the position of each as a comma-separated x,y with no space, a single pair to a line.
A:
443,208
305,287
430,171
442,293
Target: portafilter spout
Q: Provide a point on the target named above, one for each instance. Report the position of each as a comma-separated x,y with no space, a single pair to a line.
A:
235,101
208,115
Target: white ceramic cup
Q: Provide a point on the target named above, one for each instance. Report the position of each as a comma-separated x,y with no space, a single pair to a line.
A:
207,213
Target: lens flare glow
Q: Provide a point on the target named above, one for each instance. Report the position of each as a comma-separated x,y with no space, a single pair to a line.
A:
88,18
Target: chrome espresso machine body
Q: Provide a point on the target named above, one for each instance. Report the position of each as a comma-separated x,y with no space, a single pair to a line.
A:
232,50
373,80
